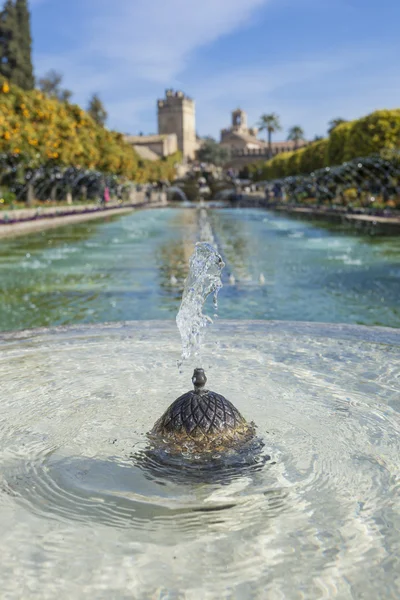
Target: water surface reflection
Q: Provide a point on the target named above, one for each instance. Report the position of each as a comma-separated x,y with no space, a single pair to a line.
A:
133,267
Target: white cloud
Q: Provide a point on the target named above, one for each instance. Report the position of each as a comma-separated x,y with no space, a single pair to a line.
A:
264,88
130,50
156,38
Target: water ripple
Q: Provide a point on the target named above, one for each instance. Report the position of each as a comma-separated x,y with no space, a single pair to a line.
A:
312,513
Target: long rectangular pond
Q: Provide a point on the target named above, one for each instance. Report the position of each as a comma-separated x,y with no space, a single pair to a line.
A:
134,266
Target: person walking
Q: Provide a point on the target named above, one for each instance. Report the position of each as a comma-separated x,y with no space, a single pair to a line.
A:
148,193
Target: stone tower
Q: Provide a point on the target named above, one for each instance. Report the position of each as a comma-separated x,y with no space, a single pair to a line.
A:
239,121
176,114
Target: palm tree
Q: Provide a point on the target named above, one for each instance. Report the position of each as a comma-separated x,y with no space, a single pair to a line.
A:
270,124
296,134
334,123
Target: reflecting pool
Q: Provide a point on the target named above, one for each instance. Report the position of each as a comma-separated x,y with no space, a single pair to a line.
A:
133,267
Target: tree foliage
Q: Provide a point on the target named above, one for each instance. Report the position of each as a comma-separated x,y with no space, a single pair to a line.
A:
41,130
25,43
335,152
15,44
377,132
313,156
373,133
10,49
333,123
97,111
296,134
271,124
211,152
50,85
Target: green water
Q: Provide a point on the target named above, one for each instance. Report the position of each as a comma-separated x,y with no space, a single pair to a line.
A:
121,269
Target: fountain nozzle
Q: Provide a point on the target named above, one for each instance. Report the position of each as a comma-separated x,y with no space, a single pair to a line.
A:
199,379
201,421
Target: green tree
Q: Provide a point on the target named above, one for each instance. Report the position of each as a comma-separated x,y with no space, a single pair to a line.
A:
15,44
50,85
97,111
213,153
334,123
64,95
25,43
296,134
11,58
271,124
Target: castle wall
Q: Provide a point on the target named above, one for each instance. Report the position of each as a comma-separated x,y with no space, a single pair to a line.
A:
163,145
236,141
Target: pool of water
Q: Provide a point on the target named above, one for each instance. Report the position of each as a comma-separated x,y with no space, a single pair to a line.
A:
133,267
83,515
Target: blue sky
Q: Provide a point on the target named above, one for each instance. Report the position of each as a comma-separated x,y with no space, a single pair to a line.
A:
307,60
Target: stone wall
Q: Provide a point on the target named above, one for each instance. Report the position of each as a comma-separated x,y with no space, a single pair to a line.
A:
162,145
239,158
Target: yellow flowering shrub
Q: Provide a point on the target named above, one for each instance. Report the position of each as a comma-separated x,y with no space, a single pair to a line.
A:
373,134
44,130
337,141
313,156
294,162
278,166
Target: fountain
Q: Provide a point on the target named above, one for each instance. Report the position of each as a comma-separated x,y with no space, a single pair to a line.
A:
200,421
55,182
88,511
370,182
174,192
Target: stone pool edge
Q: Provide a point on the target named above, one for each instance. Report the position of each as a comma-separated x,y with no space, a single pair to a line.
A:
57,217
343,331
371,223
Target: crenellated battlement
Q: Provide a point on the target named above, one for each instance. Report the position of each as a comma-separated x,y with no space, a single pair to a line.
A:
174,98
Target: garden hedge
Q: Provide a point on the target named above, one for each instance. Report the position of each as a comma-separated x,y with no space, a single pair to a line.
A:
375,133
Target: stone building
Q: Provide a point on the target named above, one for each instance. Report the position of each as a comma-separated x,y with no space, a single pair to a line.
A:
239,136
176,114
240,139
153,147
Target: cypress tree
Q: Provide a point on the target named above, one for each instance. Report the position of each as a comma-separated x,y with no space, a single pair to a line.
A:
25,43
10,58
15,44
